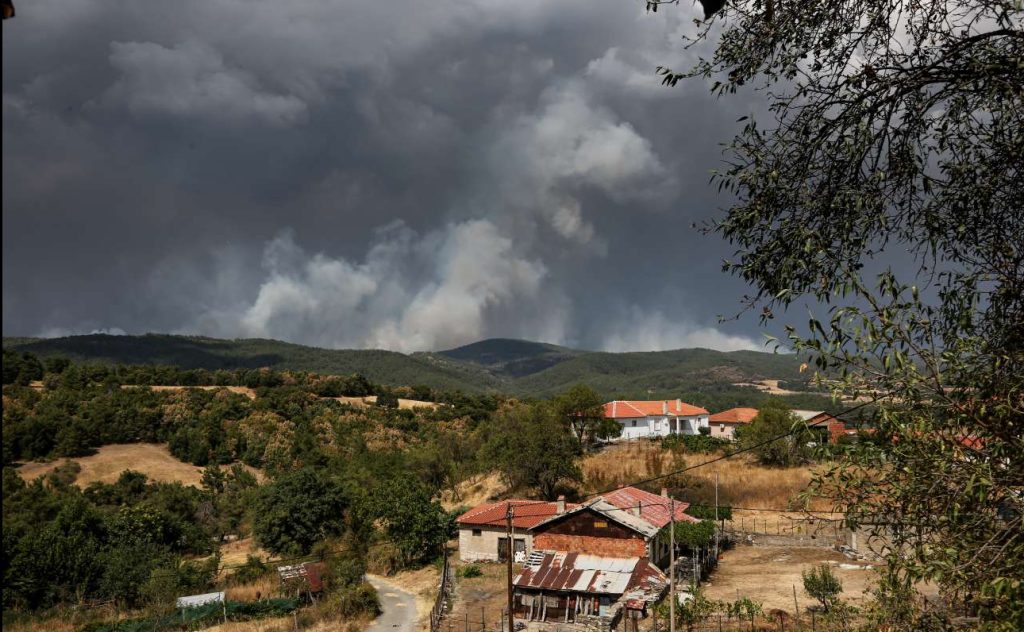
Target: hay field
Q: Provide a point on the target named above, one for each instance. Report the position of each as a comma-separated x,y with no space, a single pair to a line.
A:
372,399
152,459
742,482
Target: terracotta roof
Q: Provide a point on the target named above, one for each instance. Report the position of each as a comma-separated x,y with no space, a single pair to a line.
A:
620,409
734,416
577,572
654,508
526,514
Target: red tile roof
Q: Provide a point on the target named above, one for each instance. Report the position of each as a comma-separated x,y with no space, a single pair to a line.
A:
654,508
621,409
526,514
734,416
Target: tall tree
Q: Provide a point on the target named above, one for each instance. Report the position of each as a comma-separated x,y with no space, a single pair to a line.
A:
582,410
895,128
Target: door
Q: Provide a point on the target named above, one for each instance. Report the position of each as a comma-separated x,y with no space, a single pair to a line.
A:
502,549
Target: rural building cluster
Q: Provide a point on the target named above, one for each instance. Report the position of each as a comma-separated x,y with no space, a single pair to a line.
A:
608,558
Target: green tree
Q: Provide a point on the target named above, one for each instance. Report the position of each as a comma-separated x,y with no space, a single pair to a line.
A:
822,584
895,128
582,409
411,519
531,447
775,419
298,510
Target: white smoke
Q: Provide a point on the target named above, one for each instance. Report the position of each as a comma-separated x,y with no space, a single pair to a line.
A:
652,331
411,292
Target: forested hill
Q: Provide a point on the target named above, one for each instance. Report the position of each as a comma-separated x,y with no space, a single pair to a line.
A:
516,367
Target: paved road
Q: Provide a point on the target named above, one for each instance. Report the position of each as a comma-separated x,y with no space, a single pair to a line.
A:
398,605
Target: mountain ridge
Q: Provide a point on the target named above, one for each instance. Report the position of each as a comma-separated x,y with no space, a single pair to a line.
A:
494,365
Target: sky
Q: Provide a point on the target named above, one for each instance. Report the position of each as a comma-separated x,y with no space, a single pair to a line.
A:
399,175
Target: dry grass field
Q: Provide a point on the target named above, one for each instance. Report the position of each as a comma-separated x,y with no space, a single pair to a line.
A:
372,399
742,482
241,390
152,459
474,491
769,575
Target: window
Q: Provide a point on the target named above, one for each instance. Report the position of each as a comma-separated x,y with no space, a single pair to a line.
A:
634,425
477,532
600,524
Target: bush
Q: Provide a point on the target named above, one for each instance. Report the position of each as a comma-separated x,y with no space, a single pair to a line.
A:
699,443
354,601
247,573
822,584
470,570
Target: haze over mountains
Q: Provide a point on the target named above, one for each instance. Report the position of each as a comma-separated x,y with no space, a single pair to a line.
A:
515,367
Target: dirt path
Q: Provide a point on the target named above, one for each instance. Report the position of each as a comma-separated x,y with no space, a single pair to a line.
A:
399,607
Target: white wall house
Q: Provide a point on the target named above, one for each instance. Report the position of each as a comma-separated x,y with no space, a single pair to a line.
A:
657,418
482,536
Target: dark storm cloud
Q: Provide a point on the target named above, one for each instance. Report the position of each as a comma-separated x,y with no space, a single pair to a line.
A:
409,176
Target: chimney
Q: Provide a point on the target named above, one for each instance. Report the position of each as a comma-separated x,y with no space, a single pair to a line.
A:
636,510
664,408
664,492
560,505
679,405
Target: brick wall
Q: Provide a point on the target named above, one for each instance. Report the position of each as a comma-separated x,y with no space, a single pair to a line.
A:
608,547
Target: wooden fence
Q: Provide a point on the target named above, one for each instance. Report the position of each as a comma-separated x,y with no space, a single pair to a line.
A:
444,593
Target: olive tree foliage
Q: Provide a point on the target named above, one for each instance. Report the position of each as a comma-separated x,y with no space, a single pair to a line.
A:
894,128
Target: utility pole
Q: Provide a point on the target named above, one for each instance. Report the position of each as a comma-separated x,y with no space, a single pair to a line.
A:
672,567
508,561
716,516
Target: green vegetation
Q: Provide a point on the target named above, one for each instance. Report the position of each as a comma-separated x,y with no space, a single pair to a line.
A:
775,419
200,617
894,135
822,584
532,447
515,367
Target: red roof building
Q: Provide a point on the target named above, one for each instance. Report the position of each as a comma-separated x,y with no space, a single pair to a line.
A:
724,424
482,536
654,508
656,418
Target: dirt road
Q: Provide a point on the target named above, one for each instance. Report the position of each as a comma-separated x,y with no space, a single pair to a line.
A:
398,605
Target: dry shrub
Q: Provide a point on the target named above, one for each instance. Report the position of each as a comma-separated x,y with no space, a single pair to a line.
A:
385,559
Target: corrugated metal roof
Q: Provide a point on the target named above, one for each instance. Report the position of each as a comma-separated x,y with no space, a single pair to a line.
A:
610,511
575,572
199,600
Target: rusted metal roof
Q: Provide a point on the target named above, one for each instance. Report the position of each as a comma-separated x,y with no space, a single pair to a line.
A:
576,572
312,573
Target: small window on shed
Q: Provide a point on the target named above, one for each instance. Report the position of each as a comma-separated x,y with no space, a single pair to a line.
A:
477,532
634,423
600,524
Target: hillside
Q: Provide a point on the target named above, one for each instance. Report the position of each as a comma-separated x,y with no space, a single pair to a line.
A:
515,367
511,358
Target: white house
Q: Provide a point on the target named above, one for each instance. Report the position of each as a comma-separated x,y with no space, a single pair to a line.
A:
659,418
482,535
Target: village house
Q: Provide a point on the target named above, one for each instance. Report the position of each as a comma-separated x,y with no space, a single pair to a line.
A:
627,522
831,429
571,587
482,530
658,418
724,424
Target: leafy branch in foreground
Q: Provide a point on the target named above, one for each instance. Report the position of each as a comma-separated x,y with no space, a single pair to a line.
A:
894,140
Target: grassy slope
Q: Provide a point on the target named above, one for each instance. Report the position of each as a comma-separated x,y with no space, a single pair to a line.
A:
516,367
